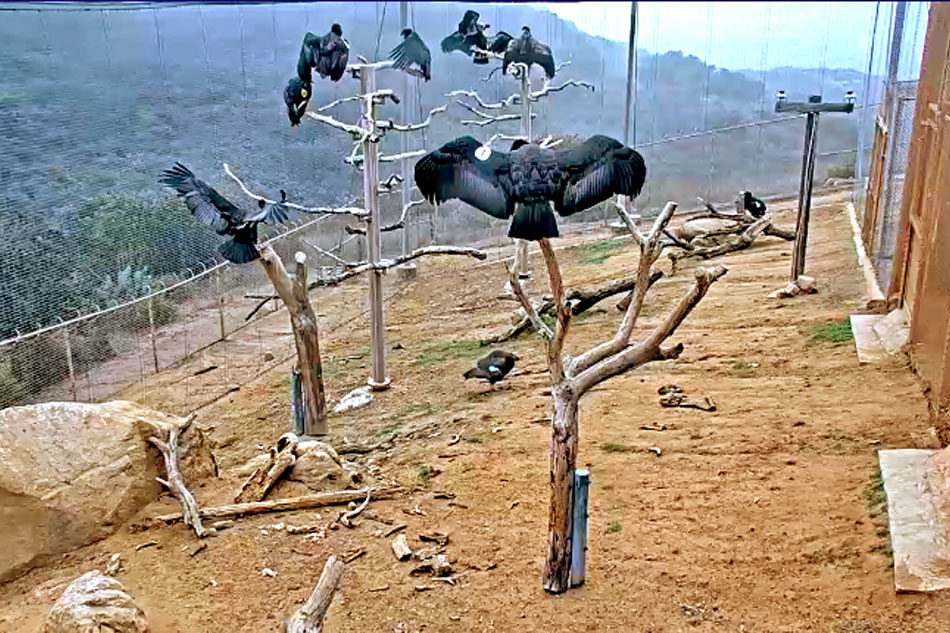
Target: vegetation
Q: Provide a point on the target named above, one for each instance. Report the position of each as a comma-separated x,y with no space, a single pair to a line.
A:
614,526
424,472
616,447
741,369
834,332
598,252
445,350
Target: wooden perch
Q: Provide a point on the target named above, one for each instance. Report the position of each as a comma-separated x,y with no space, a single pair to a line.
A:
303,321
306,502
174,481
531,315
734,243
398,224
309,619
360,213
281,459
392,263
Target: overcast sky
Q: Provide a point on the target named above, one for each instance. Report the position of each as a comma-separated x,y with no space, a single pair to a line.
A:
746,34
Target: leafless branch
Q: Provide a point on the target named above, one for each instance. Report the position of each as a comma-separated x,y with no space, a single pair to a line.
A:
398,224
650,348
412,127
488,106
359,134
174,481
392,263
391,158
327,253
650,249
309,619
562,311
535,96
735,243
530,313
360,213
333,104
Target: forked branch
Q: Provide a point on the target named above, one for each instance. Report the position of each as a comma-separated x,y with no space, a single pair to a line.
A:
531,313
562,312
354,211
651,347
392,263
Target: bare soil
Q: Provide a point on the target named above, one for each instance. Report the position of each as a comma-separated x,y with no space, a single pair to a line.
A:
752,518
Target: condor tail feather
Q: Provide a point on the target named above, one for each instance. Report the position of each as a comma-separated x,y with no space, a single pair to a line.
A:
533,222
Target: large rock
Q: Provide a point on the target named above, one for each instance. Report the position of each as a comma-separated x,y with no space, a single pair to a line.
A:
94,603
73,473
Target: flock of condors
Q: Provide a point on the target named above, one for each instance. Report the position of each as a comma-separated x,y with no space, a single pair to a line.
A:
521,184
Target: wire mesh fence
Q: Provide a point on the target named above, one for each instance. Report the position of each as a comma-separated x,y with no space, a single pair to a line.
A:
97,99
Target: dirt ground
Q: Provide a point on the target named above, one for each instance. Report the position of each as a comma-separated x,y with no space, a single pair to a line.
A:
753,518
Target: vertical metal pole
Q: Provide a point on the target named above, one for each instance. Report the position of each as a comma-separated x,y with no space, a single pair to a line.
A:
522,263
859,166
69,363
579,529
151,332
406,271
297,416
217,288
804,197
378,379
631,73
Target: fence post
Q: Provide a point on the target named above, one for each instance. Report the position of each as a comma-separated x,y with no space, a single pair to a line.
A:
217,287
69,363
297,423
579,529
151,332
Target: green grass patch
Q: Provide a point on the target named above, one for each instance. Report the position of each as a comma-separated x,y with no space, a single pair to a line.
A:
418,409
598,252
391,429
615,447
741,369
445,350
474,439
614,526
834,332
424,473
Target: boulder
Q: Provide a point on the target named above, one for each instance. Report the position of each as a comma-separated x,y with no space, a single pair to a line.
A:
319,467
94,603
73,473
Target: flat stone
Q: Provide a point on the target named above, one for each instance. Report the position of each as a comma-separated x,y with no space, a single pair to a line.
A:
919,533
866,341
893,331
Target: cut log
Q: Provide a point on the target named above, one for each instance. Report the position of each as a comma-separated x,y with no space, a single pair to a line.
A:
174,481
283,505
260,482
309,619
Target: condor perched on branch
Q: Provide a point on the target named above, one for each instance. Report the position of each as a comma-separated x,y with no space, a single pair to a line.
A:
329,55
528,50
524,182
412,51
211,208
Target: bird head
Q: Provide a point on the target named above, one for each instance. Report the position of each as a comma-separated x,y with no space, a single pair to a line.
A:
297,96
337,30
747,197
525,31
406,33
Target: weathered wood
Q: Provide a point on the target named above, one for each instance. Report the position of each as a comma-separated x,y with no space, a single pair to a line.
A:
174,481
309,618
283,505
303,321
401,548
531,314
562,312
563,460
256,487
734,243
362,267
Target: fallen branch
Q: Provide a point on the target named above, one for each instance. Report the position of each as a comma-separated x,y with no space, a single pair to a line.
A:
345,517
174,482
281,459
309,619
283,505
735,243
580,300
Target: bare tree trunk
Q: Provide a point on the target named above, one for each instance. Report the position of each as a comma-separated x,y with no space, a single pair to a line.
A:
564,437
303,321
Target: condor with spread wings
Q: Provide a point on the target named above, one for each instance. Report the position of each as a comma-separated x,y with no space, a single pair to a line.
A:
211,208
527,50
328,54
523,183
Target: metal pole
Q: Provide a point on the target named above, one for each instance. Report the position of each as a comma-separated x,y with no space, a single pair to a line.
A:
378,379
151,332
217,288
804,197
579,529
631,72
69,363
522,263
408,270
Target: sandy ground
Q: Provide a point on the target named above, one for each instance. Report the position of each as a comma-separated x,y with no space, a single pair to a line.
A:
753,518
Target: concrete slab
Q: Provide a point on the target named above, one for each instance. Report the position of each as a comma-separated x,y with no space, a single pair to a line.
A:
893,331
919,534
868,343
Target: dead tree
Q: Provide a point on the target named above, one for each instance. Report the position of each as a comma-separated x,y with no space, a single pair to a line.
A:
309,619
571,378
